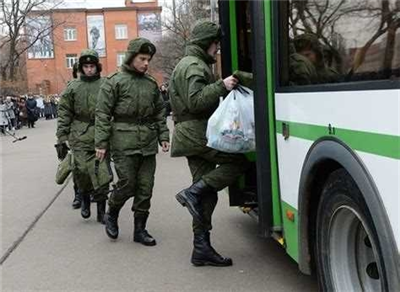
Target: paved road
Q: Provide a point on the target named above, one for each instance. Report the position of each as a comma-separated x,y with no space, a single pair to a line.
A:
46,246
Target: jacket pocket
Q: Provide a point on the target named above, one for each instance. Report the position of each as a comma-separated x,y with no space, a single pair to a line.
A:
82,132
124,137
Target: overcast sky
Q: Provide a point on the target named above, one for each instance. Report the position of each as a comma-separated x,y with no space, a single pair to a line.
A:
103,3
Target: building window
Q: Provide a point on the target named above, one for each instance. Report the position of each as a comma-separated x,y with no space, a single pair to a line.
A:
121,31
120,59
70,34
71,59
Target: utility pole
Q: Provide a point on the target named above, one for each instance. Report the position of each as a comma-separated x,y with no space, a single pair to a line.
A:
174,11
213,7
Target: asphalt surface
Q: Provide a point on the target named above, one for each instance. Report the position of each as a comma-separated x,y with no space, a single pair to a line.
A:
47,246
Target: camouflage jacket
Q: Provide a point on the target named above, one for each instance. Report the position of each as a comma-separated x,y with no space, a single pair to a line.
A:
130,114
76,112
194,96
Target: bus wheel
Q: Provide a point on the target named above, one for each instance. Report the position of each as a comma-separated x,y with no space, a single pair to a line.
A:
348,253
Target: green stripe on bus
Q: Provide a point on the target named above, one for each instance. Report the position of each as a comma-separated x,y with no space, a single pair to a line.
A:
373,143
233,32
277,214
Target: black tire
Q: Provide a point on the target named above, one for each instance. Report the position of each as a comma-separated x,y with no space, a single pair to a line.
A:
348,252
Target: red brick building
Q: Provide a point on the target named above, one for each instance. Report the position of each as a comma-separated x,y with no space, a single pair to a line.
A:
107,30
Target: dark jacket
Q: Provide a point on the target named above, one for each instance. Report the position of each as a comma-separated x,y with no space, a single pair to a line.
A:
31,109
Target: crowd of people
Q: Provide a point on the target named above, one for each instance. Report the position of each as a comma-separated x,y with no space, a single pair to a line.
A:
17,112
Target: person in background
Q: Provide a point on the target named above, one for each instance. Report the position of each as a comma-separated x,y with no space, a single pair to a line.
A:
309,47
48,112
31,106
54,107
23,112
164,94
15,101
11,113
4,118
40,105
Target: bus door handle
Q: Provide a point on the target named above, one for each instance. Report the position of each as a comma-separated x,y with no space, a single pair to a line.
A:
285,131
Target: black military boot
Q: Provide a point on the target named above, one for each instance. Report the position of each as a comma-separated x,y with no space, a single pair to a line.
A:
140,233
204,254
101,210
111,221
191,198
85,206
76,203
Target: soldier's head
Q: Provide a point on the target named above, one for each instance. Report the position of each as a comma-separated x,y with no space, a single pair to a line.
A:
139,54
207,35
89,63
309,46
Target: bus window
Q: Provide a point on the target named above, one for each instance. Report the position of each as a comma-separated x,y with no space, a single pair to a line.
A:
244,35
341,41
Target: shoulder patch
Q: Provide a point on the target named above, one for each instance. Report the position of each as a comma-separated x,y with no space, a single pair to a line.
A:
112,75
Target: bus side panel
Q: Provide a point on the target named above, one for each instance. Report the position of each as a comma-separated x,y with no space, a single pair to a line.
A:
366,121
291,158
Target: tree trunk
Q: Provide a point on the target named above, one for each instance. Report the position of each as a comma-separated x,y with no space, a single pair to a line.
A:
389,51
359,58
11,63
3,73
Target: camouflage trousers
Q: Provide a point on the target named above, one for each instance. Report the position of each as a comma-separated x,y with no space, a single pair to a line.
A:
135,179
204,166
86,178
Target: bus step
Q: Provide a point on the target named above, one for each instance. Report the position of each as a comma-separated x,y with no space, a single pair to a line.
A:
279,238
252,211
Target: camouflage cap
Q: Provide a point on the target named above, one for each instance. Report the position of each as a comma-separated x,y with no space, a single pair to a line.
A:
89,56
307,41
204,33
141,46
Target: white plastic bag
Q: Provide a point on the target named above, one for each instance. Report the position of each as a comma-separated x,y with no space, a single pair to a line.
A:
231,128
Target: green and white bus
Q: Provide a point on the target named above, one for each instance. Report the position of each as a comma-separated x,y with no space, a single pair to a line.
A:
325,181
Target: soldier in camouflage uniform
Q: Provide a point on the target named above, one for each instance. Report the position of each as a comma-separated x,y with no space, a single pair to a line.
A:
132,99
309,52
194,95
76,126
301,70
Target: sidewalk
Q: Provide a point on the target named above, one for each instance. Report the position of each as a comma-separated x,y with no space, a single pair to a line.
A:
63,252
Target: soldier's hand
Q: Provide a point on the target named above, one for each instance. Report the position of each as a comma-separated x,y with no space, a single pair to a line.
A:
62,150
165,146
230,82
100,154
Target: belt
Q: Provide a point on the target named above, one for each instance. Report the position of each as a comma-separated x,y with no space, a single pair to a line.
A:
84,119
189,117
132,120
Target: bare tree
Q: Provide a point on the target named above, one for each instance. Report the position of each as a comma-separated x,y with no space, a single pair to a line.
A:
182,15
24,26
386,12
321,17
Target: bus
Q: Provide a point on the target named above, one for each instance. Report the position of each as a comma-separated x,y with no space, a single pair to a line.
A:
325,175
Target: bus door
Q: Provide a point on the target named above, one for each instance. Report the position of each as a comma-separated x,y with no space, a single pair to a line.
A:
244,47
